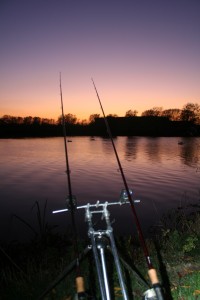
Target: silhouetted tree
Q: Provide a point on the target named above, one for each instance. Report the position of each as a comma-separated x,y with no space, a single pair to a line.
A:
47,121
20,120
112,116
131,113
7,119
93,117
154,112
83,122
173,114
69,118
191,112
28,120
36,120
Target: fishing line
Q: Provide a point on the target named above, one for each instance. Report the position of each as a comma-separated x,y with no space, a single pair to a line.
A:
152,271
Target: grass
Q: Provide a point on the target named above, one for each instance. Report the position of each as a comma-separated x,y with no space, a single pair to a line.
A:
28,269
188,287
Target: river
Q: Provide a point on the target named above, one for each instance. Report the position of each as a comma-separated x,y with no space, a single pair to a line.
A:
163,173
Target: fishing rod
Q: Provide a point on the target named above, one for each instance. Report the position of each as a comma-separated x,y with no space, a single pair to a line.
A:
71,203
151,271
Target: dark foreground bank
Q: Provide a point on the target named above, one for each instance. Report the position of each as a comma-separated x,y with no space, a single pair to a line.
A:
28,269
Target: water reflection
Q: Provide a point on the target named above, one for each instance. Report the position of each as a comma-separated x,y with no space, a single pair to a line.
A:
131,148
107,145
190,152
156,168
153,149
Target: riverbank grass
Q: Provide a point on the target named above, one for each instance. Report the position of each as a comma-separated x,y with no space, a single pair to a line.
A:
27,270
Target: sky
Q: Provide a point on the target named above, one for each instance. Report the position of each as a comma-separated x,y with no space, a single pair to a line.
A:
140,53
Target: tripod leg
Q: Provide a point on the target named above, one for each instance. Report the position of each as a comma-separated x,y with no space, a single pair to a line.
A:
117,264
103,261
98,267
132,270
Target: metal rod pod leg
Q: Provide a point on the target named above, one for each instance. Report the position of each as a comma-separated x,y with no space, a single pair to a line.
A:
117,264
103,261
98,266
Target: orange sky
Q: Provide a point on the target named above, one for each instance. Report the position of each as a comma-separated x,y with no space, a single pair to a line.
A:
141,54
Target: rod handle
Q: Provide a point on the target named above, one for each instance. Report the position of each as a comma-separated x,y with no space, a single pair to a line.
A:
153,276
80,287
155,283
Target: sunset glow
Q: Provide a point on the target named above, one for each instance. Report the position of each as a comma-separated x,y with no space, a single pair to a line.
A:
141,54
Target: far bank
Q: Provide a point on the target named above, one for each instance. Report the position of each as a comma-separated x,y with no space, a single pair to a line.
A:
120,126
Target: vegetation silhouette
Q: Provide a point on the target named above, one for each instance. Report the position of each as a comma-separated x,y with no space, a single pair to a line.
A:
152,122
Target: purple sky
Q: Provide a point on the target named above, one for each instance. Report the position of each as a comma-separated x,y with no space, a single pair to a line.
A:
141,54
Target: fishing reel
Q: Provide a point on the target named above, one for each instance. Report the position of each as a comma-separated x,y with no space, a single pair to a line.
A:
149,295
71,202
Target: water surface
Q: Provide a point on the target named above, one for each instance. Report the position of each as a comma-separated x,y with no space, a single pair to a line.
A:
162,173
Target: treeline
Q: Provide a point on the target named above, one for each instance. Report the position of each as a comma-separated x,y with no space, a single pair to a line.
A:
152,122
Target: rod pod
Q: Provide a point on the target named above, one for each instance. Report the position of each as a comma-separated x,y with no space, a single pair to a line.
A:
99,240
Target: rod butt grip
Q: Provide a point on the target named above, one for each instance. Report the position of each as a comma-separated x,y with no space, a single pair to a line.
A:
155,283
80,288
153,276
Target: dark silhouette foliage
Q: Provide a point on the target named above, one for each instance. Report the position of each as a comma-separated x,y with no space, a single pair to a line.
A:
153,122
